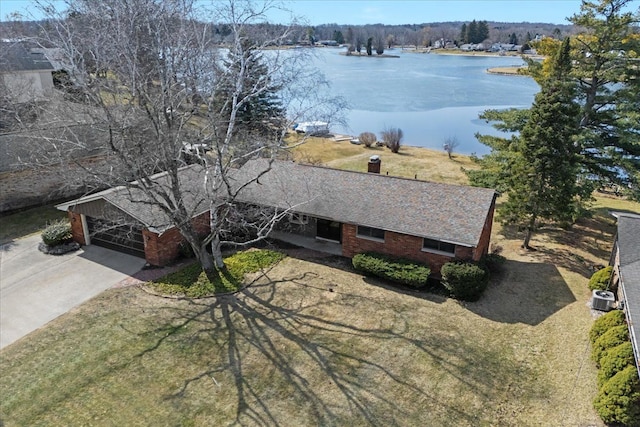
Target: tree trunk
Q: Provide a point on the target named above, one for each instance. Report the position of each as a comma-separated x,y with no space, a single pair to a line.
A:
207,264
529,232
216,251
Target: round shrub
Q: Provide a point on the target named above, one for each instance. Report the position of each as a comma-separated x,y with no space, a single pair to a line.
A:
600,279
618,400
404,272
612,338
494,262
615,360
57,233
465,281
606,322
367,138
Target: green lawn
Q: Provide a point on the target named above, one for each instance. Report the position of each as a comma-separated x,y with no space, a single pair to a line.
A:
26,222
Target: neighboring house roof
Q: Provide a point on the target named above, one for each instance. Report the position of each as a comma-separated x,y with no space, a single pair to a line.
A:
451,213
15,57
628,244
55,56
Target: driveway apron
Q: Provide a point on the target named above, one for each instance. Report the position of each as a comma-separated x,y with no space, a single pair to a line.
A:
35,288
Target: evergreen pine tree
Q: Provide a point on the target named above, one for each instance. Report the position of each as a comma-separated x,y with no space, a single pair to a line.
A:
472,32
606,68
543,180
482,32
463,34
260,114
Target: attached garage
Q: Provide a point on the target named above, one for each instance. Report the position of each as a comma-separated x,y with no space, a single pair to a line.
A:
121,219
102,224
122,238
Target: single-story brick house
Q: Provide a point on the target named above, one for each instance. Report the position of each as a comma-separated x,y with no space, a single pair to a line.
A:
625,259
424,221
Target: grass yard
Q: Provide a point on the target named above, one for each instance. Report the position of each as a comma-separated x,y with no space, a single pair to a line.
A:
427,165
311,342
26,222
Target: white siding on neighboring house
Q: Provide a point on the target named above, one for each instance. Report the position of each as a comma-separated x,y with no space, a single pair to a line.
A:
28,85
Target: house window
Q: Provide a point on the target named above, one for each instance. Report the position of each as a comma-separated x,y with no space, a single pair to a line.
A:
298,218
370,233
437,245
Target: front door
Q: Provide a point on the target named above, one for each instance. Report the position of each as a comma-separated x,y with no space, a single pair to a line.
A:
330,230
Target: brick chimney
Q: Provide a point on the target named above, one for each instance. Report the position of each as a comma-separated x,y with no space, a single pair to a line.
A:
374,164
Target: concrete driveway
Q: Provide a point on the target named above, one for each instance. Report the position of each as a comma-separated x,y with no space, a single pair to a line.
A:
36,288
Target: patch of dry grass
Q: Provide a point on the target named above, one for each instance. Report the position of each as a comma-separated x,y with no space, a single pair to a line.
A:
310,344
313,343
428,165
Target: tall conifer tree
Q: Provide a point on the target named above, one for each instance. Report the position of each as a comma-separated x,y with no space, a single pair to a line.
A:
542,182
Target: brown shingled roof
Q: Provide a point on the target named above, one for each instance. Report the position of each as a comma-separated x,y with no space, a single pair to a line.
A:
451,213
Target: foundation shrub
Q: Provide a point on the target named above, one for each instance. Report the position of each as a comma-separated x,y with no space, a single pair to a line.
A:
606,322
618,400
402,271
465,281
57,233
600,279
612,338
615,360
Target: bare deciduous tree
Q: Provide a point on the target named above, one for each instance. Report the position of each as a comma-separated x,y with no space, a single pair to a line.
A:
450,145
367,138
155,81
392,138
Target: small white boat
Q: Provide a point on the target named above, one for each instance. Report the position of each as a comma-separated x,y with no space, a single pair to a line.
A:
312,128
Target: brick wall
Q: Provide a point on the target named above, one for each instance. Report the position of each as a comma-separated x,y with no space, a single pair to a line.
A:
485,238
401,245
163,249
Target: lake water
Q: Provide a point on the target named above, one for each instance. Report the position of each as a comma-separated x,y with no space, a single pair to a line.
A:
430,97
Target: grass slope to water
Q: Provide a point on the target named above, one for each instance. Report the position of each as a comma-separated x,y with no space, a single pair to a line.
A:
410,162
316,344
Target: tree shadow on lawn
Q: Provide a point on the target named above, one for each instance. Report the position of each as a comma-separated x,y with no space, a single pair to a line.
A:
300,353
524,292
572,248
429,292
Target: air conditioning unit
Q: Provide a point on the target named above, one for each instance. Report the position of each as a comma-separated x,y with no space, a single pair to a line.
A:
602,300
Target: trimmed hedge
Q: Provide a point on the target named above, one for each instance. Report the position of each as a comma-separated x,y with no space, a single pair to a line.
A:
600,279
615,360
465,281
402,271
606,322
618,401
57,233
612,338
